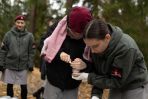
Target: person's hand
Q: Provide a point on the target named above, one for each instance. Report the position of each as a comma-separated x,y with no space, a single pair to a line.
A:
80,76
78,64
65,57
31,69
75,70
94,97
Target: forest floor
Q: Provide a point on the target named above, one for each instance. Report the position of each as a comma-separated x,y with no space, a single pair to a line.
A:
34,82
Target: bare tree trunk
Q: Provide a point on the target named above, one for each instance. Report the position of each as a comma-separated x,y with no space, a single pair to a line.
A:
32,19
69,5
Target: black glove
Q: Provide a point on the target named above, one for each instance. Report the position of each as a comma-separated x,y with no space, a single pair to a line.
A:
2,68
31,69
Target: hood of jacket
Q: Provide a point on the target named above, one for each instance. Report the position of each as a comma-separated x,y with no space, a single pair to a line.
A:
17,32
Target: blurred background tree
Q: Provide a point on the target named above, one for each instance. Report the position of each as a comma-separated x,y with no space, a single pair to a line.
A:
130,15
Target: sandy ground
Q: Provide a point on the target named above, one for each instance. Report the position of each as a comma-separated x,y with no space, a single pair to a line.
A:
34,82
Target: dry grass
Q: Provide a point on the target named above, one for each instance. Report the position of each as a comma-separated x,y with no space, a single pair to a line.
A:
34,82
85,91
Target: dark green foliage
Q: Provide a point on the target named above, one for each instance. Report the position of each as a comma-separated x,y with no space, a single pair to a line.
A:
132,20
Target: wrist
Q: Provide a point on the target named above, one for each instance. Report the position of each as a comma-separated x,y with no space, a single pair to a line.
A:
85,77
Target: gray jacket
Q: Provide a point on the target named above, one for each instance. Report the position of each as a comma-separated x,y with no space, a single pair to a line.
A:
122,65
18,50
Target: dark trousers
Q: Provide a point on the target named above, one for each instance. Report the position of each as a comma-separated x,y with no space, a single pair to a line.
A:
23,91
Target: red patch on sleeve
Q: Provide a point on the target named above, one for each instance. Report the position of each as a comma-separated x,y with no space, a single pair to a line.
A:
116,72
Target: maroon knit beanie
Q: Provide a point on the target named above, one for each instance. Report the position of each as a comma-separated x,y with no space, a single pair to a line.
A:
19,17
78,18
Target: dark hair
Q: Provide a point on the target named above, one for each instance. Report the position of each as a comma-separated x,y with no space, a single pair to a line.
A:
96,29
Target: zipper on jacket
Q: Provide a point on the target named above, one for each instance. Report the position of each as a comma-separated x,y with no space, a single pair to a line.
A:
19,52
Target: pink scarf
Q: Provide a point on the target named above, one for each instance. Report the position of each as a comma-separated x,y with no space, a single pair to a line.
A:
53,43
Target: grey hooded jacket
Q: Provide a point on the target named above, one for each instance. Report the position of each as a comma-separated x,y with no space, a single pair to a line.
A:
18,50
121,66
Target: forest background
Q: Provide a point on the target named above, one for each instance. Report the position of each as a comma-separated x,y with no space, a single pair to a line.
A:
129,15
